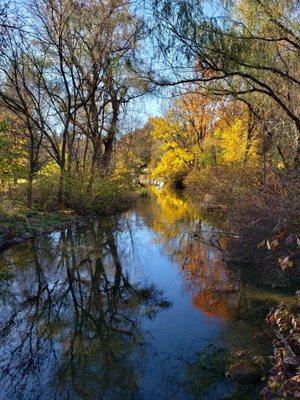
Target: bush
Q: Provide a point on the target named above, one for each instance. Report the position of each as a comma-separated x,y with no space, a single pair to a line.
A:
46,188
268,224
284,377
264,213
222,184
107,195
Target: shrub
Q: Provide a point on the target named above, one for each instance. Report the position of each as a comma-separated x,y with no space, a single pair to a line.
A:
108,194
284,378
264,213
46,188
268,224
224,184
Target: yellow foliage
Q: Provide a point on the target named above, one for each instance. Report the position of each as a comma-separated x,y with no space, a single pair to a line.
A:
121,169
49,169
179,136
197,132
173,158
173,162
233,143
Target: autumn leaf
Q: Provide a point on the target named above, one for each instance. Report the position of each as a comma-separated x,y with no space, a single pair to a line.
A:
274,244
285,263
261,244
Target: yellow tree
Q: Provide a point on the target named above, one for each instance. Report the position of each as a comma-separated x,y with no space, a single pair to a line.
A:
180,136
13,150
235,135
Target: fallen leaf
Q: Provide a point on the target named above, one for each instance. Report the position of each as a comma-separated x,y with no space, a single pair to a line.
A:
285,263
274,244
261,244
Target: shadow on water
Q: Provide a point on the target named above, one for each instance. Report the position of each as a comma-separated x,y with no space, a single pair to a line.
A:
71,317
129,307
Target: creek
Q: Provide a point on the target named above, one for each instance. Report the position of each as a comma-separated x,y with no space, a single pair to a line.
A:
133,306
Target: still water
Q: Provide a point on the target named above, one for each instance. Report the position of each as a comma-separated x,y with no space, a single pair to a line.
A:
135,306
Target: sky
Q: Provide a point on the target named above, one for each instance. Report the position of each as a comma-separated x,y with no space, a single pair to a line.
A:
155,105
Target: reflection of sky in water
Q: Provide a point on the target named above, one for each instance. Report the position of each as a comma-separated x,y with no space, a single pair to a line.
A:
55,237
83,314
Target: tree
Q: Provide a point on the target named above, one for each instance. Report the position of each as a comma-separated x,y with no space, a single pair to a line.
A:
249,49
13,155
68,77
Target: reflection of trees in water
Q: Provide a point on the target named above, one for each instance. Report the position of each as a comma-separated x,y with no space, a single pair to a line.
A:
194,245
216,289
218,292
71,318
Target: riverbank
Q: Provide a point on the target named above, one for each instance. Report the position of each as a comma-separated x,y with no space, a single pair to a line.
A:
18,222
262,211
28,224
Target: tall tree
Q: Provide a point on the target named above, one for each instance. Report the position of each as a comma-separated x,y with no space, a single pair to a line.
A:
68,76
244,48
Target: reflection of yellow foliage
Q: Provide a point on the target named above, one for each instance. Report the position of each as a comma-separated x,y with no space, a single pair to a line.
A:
215,289
202,266
173,208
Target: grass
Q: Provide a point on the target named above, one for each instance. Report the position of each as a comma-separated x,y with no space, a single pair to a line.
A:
17,223
109,196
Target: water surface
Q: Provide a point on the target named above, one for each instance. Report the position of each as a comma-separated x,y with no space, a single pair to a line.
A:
135,306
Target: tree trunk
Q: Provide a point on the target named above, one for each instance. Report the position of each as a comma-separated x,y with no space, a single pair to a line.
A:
108,149
95,159
111,136
297,155
30,189
60,196
31,167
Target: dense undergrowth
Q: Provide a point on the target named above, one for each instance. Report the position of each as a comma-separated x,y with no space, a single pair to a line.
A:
107,195
263,212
